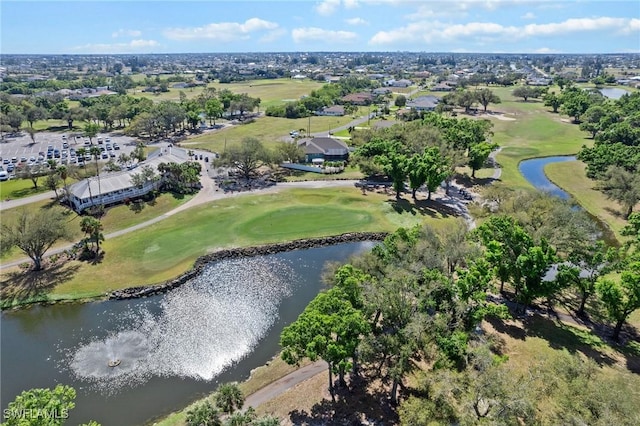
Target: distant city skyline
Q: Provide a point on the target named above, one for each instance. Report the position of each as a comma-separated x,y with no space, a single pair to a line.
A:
474,26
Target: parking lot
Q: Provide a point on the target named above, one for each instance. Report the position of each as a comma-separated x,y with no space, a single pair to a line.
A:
62,148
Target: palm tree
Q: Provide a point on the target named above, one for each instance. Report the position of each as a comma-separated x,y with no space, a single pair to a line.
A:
81,152
93,228
229,397
64,174
95,152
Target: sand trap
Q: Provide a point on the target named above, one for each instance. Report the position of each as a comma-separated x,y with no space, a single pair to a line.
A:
498,116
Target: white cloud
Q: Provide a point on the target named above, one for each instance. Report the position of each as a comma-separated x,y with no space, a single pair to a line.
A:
272,36
327,7
222,31
301,35
126,33
138,45
356,21
546,50
528,15
430,31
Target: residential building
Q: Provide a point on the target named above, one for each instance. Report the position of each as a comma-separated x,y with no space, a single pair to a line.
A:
423,103
334,110
324,147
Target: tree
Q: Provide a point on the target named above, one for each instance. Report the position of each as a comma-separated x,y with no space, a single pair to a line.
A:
524,92
52,182
229,398
41,407
486,97
466,99
92,227
478,155
247,157
213,109
394,165
575,102
400,101
622,186
203,415
286,151
588,263
621,297
14,119
532,266
437,169
34,113
33,173
591,120
34,232
504,240
552,100
91,130
63,172
329,328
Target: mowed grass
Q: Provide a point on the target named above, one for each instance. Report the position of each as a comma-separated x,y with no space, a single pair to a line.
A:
169,247
19,188
269,130
115,218
571,177
535,132
271,92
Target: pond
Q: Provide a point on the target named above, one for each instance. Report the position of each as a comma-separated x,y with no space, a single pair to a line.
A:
171,348
613,92
533,172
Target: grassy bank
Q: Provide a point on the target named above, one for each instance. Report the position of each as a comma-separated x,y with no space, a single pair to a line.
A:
168,248
571,177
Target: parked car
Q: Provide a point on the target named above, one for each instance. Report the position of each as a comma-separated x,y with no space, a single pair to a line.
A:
4,176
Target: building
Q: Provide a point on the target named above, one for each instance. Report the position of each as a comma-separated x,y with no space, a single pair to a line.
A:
360,98
423,103
335,111
323,147
117,187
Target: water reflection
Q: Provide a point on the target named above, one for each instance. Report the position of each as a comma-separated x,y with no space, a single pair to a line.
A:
198,330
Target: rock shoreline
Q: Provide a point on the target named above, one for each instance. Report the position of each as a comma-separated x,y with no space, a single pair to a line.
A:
234,253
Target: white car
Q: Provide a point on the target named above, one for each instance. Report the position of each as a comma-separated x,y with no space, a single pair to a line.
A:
4,176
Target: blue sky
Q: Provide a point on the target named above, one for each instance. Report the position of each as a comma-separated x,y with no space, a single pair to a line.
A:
500,26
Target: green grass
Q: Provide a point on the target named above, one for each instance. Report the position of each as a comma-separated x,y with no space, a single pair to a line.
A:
269,130
19,188
168,248
571,177
115,218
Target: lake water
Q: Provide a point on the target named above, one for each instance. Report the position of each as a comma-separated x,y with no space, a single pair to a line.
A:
613,92
173,348
533,171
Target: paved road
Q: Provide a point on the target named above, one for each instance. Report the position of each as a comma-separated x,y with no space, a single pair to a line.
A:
285,383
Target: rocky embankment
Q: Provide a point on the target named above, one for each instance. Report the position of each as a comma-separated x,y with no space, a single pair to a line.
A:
201,262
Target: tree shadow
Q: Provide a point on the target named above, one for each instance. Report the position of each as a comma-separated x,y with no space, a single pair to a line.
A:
430,208
22,286
354,405
615,212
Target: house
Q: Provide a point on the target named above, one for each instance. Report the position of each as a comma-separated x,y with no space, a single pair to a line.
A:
381,91
323,147
442,87
113,188
423,103
360,98
335,111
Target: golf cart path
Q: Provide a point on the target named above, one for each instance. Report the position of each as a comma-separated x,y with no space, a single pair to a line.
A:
283,384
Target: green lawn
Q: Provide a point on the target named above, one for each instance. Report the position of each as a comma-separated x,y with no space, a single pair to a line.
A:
115,218
269,130
19,188
168,248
